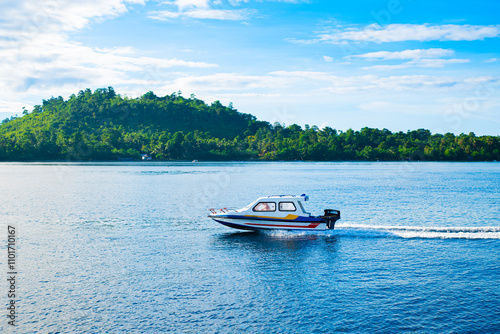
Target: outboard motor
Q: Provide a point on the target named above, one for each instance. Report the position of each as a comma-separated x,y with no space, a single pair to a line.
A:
330,217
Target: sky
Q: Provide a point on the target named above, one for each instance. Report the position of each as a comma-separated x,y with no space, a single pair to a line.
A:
395,64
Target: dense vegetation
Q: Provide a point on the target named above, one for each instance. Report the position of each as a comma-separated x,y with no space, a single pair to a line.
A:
103,125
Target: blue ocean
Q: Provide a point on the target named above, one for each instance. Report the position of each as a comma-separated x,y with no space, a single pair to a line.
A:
128,248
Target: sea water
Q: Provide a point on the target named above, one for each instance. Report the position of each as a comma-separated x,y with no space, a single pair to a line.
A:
127,248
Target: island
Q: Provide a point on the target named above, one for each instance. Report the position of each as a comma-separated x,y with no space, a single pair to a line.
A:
102,125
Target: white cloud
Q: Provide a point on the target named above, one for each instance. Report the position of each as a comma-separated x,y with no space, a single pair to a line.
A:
163,15
406,54
39,59
219,14
481,80
214,14
309,81
50,60
491,60
323,125
426,63
405,32
35,16
387,67
183,4
439,62
398,108
343,100
418,58
328,59
231,82
200,9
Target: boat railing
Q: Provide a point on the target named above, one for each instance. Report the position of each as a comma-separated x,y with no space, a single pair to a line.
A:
222,210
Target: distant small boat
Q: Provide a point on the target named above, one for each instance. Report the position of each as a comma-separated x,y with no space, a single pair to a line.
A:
282,212
195,160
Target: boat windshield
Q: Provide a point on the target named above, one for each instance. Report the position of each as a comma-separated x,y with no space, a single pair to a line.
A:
248,206
265,206
302,208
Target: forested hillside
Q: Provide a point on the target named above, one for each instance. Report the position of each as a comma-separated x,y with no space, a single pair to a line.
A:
103,125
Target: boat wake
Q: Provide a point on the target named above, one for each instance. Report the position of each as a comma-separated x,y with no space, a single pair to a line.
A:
387,231
363,230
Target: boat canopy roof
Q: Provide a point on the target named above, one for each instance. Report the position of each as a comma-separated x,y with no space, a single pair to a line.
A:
295,198
302,197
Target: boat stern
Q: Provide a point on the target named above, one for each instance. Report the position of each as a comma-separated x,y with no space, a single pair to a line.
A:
330,217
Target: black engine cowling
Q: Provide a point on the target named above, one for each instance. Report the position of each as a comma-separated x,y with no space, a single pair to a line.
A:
330,217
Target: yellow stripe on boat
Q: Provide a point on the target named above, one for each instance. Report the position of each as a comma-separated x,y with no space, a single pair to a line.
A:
288,217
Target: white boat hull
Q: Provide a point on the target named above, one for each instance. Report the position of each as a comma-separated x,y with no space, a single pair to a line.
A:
262,224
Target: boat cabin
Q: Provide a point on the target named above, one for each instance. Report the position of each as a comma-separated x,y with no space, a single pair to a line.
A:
277,205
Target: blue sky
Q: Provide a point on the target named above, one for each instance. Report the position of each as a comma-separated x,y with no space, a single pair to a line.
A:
396,64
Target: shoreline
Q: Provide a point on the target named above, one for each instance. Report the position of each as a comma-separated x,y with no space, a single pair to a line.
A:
232,161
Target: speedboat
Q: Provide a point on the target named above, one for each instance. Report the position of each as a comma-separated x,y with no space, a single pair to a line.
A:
283,212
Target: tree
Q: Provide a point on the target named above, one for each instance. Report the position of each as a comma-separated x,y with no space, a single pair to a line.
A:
102,125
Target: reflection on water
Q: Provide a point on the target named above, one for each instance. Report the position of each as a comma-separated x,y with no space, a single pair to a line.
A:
277,242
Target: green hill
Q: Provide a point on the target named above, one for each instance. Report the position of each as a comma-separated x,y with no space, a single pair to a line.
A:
103,125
